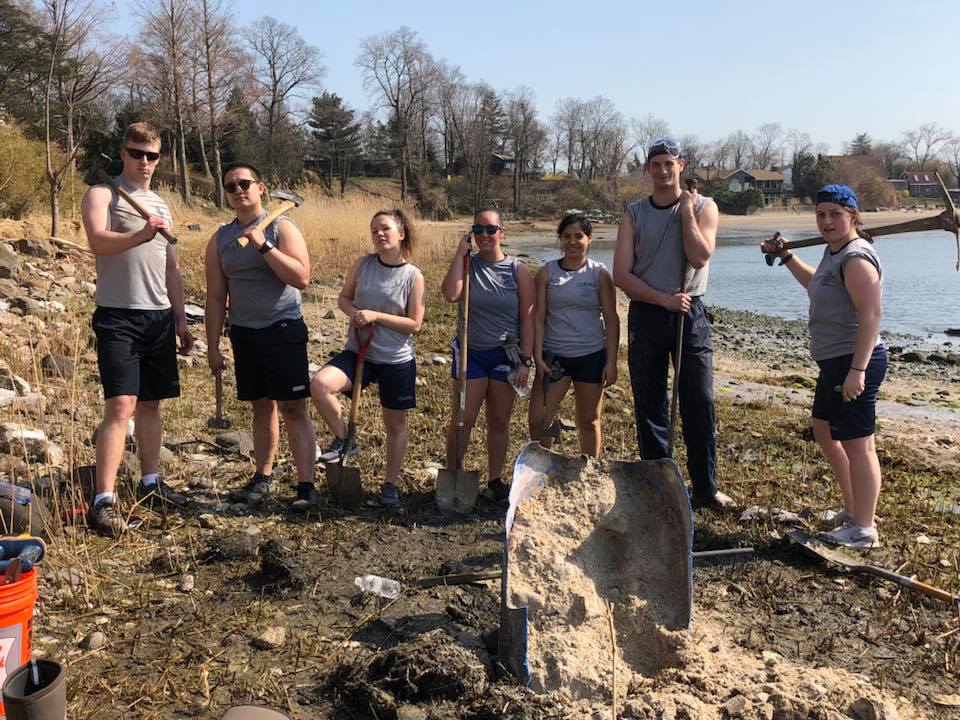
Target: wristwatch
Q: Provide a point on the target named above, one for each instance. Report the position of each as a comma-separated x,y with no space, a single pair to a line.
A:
526,361
267,247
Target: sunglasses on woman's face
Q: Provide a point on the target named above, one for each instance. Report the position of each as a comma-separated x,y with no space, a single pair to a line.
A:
137,154
488,229
231,187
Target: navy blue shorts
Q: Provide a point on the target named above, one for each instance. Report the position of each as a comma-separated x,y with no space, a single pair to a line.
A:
856,418
396,382
271,362
583,369
492,363
137,353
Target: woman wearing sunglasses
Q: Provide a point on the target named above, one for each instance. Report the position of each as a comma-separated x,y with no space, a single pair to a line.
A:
262,272
577,333
499,339
383,295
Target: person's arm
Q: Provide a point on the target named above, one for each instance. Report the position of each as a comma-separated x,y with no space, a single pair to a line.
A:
633,286
289,260
216,306
699,233
540,318
611,321
862,281
527,294
452,284
801,272
95,212
407,324
175,295
349,291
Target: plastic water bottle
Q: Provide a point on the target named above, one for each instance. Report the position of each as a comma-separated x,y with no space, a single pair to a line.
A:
384,587
18,494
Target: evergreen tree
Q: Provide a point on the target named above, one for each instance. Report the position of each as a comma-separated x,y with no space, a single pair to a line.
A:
335,138
860,145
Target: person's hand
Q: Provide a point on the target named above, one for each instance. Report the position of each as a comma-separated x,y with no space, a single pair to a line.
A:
511,347
362,318
215,360
149,231
609,376
186,337
463,247
853,385
686,202
255,235
678,302
775,246
521,374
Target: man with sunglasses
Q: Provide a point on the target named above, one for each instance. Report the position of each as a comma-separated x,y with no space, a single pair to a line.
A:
661,262
138,319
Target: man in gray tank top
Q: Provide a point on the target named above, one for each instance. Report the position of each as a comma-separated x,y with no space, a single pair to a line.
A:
138,319
661,262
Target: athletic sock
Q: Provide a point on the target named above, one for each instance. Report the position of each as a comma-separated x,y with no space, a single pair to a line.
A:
150,479
104,496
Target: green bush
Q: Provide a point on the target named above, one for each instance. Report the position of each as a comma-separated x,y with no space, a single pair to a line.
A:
22,179
739,203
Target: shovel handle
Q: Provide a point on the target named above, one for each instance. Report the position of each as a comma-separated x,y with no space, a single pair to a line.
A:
218,381
103,177
463,343
242,240
915,585
362,346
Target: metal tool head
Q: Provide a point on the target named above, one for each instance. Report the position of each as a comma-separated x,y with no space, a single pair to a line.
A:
457,490
345,484
218,423
279,194
950,216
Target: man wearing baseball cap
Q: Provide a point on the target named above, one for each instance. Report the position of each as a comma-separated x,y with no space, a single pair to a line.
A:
661,262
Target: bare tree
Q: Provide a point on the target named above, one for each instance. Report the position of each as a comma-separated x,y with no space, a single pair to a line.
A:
646,129
523,132
951,154
475,115
716,156
766,145
285,66
739,144
392,65
924,142
694,152
567,119
892,155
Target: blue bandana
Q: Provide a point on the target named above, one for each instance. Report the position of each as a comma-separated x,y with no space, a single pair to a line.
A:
839,194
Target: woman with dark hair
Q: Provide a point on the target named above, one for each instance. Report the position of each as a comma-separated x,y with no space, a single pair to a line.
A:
499,339
384,295
576,336
845,292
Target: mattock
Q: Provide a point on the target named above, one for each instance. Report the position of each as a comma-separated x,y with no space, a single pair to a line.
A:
289,200
948,220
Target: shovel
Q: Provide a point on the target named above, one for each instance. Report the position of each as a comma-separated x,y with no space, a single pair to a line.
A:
344,482
457,489
555,386
823,551
219,422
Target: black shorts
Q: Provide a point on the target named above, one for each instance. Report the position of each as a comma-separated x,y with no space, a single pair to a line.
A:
585,369
271,362
856,418
397,383
137,353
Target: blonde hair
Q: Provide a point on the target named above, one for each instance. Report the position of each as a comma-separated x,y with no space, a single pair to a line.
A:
141,132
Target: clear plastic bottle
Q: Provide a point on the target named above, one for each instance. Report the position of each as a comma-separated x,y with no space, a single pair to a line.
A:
523,390
18,494
384,587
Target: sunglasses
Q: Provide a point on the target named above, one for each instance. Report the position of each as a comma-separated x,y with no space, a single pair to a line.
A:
232,187
488,229
141,154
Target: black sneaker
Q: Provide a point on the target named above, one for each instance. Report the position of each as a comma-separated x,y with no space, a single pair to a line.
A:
499,489
389,495
258,486
105,519
158,494
335,450
306,498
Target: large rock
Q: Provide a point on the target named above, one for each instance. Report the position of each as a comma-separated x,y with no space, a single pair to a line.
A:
56,364
35,247
9,263
8,288
17,439
27,306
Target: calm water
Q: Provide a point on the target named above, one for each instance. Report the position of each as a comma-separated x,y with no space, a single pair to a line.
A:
921,286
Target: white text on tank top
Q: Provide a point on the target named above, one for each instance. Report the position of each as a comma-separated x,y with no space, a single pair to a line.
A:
384,288
573,325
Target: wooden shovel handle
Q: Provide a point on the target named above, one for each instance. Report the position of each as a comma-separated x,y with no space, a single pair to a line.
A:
219,388
915,585
102,176
265,223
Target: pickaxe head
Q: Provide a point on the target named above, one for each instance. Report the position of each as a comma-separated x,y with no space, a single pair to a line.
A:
286,195
951,218
97,174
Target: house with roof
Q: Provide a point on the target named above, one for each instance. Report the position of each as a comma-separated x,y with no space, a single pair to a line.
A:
769,182
922,183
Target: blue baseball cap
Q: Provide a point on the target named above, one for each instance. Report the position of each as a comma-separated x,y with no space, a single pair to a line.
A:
839,194
664,145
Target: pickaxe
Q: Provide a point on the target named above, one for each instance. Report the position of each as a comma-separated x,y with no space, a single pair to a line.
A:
98,176
948,220
288,200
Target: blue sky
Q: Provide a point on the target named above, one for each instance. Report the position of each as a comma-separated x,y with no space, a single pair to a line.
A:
831,69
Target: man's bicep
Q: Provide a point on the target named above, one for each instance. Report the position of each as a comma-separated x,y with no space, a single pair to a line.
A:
95,209
709,221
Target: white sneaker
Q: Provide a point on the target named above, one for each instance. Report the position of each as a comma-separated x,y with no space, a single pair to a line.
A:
832,519
853,536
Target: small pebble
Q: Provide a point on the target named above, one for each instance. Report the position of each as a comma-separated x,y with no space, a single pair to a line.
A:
94,641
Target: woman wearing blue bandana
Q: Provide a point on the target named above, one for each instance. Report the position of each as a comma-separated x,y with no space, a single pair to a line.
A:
845,291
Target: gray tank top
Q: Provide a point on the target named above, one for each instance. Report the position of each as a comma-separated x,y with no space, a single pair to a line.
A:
574,323
258,298
385,288
494,302
833,317
135,279
658,247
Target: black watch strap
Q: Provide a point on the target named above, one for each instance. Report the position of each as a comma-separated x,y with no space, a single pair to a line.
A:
526,361
267,247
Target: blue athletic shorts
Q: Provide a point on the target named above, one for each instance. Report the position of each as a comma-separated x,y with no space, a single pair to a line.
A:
856,418
492,363
396,382
585,369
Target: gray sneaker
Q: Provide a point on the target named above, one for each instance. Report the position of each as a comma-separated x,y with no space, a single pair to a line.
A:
853,536
335,450
389,495
105,519
158,494
256,488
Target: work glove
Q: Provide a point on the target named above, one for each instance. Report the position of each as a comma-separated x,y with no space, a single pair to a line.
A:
511,347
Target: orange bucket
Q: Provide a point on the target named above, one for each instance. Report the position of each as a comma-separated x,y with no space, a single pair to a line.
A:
16,624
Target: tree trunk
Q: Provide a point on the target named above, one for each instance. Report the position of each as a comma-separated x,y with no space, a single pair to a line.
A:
184,178
203,155
516,183
54,209
218,168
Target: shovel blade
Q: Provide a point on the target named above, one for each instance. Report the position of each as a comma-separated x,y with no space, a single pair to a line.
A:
345,485
457,490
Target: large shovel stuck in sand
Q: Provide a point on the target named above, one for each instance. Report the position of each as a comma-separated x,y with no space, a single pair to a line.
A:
344,482
632,537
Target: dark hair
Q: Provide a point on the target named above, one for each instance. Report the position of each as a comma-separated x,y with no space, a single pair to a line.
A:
409,241
570,219
490,208
239,165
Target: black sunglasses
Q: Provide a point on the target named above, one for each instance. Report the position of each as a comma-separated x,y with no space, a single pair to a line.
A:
141,154
488,229
231,187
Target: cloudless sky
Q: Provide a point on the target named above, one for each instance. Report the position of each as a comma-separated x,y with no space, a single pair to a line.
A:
832,69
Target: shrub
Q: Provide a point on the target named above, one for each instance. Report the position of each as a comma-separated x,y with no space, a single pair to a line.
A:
22,179
739,203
